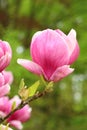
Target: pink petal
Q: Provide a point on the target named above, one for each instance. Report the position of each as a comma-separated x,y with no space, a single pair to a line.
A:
5,105
74,54
5,89
61,33
71,41
2,114
72,44
26,113
22,115
1,52
4,61
36,35
8,76
72,37
30,66
2,80
5,47
17,124
15,99
61,72
46,49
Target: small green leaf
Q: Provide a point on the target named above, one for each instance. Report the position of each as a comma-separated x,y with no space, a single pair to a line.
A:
22,84
24,93
32,89
49,87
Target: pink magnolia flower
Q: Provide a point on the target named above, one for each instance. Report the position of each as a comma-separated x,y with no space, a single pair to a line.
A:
5,54
18,117
52,54
3,127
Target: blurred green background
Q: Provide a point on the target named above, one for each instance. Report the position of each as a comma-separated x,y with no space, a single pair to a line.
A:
66,107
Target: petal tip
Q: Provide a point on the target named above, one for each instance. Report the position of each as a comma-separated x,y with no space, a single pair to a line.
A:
73,32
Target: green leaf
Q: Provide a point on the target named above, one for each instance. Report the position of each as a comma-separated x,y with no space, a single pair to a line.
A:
24,93
49,87
22,84
32,89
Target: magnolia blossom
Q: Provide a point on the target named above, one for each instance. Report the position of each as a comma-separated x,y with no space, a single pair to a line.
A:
18,117
5,54
52,54
3,127
6,79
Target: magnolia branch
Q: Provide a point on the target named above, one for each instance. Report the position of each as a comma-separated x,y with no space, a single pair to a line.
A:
23,103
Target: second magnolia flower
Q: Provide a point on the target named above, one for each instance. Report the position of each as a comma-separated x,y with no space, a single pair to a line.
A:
52,53
17,118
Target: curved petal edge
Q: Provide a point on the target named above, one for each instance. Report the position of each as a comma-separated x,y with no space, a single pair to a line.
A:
61,72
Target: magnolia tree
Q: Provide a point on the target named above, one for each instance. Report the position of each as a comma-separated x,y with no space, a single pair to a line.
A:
52,54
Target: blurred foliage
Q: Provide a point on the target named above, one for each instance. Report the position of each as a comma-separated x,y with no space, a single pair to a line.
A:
66,107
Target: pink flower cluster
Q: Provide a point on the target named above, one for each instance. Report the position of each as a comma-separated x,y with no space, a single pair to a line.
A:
18,117
52,54
6,78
